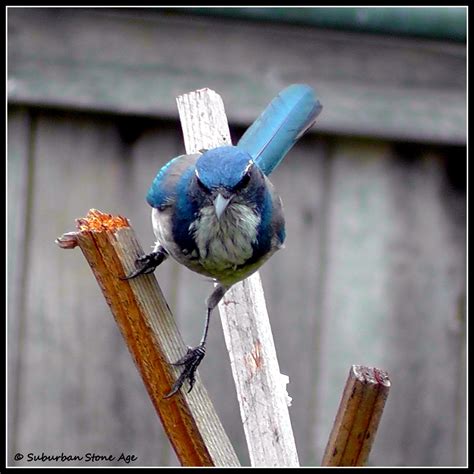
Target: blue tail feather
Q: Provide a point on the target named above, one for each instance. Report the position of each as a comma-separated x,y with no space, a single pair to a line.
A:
288,116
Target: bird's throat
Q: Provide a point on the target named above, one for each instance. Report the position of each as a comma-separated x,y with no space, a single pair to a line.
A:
226,241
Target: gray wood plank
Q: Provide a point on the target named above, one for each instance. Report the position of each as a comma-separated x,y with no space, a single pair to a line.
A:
352,298
18,198
440,23
427,321
130,62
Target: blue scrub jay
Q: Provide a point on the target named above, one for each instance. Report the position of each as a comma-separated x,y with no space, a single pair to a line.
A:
218,214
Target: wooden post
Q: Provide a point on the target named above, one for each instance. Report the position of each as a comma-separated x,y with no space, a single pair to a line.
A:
149,330
358,417
261,389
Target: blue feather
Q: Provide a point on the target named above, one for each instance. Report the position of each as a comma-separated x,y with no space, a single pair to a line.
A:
186,210
222,166
164,187
264,235
288,116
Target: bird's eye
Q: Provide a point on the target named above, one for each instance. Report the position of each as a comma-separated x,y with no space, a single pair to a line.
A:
202,186
245,180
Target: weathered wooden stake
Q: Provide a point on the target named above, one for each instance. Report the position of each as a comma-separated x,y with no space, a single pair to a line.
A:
358,417
149,330
261,389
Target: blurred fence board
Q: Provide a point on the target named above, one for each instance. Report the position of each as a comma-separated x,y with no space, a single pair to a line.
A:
373,273
128,61
19,134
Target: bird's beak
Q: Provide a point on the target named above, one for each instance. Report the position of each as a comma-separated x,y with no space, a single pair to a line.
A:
220,204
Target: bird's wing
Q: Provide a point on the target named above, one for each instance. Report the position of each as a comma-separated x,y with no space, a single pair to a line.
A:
165,186
288,116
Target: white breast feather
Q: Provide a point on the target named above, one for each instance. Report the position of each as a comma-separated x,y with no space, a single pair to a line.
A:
226,242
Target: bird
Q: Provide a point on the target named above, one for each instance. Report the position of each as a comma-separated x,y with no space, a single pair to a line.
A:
217,213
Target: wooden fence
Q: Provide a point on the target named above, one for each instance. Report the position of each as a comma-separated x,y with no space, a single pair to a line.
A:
373,271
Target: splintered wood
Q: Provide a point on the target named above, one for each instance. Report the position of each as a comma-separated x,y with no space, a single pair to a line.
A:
149,330
98,221
358,417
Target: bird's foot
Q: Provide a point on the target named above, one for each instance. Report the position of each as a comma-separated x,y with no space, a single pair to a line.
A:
146,264
190,361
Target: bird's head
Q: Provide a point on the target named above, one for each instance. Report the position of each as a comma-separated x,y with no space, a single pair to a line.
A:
227,174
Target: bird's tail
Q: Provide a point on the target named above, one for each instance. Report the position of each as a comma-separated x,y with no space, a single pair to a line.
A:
288,116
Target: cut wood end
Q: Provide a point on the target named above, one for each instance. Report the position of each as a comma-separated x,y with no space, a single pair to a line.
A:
358,417
371,375
204,90
97,221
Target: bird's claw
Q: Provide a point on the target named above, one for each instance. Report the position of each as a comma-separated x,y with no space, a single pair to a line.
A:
190,361
146,264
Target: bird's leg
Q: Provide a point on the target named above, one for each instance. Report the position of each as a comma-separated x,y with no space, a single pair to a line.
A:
148,262
194,355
